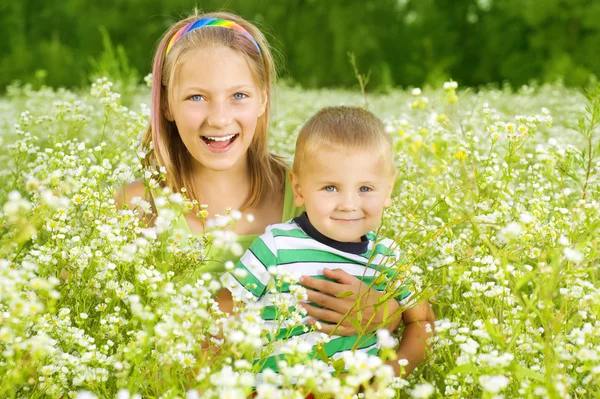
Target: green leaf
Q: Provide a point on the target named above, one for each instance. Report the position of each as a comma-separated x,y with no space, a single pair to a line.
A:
321,354
491,329
344,294
381,279
524,280
356,324
386,312
339,365
520,370
464,368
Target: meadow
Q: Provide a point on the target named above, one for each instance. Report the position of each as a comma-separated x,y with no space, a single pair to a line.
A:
496,208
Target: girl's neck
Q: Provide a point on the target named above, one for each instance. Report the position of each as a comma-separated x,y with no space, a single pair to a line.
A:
222,188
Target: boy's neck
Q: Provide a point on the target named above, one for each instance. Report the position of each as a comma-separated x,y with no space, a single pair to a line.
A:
356,248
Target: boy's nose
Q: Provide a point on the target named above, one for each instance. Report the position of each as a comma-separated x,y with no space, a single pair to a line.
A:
219,116
348,202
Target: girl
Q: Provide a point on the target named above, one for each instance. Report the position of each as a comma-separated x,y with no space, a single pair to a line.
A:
213,75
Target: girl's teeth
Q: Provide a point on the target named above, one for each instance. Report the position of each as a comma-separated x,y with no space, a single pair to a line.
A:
224,138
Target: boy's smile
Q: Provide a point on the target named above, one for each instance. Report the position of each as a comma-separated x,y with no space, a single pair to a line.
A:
344,192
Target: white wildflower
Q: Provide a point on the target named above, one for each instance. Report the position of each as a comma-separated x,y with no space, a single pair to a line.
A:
493,384
573,255
422,391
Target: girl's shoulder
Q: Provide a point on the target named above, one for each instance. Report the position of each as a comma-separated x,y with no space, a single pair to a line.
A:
125,197
127,193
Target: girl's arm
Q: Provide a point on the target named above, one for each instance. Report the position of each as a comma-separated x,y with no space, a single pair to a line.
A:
335,309
134,189
225,300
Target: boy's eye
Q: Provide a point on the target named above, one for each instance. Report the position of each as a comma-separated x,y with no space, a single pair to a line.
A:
330,189
365,189
239,96
196,97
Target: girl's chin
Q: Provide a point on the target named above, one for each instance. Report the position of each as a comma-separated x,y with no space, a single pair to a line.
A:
219,163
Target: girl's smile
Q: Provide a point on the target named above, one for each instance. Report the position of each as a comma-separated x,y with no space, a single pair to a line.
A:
220,144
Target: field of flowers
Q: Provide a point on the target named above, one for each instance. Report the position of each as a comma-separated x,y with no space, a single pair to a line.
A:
496,207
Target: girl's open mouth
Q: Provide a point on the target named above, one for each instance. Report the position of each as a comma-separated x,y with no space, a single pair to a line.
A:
219,143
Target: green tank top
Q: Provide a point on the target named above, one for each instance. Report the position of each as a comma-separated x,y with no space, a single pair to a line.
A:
217,256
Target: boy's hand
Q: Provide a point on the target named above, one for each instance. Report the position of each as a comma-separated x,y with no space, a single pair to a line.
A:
335,309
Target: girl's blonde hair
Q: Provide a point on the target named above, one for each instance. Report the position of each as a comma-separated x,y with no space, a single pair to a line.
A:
267,171
346,129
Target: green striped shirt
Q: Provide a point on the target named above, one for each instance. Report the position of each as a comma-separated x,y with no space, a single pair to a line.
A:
286,249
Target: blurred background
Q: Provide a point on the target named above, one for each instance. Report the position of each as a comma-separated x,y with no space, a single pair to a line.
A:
400,42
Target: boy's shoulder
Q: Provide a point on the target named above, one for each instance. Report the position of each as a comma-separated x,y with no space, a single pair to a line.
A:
285,228
281,234
384,245
380,239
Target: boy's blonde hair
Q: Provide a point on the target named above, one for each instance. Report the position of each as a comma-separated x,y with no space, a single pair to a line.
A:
267,171
343,128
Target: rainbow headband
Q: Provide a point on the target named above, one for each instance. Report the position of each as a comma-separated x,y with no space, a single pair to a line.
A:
209,22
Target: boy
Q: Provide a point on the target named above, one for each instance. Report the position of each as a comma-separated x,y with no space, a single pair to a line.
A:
343,174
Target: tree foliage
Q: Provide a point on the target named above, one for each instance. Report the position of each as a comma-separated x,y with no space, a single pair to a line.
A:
402,42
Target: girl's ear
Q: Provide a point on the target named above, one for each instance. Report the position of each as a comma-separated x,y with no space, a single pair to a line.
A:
167,113
264,97
298,197
165,105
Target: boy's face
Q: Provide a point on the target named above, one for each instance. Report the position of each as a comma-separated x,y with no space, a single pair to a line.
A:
344,193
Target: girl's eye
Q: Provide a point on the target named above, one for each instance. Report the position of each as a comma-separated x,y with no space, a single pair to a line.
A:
196,97
329,189
365,189
239,96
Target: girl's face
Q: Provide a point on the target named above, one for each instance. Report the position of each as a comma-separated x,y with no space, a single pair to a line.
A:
215,104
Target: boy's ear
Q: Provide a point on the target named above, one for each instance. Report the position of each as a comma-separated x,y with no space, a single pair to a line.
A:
388,199
388,202
298,197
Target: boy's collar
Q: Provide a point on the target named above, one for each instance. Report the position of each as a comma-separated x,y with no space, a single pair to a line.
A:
357,248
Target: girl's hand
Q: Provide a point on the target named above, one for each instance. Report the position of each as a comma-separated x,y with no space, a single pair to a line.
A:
323,293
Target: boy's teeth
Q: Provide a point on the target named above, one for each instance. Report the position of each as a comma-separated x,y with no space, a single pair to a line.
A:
224,138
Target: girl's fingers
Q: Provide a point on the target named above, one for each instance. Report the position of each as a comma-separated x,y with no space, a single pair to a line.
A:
328,287
326,315
340,330
323,293
340,276
339,305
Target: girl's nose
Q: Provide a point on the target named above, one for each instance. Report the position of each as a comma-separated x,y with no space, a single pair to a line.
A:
219,116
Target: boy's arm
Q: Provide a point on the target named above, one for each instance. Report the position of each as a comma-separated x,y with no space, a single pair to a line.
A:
418,328
262,254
